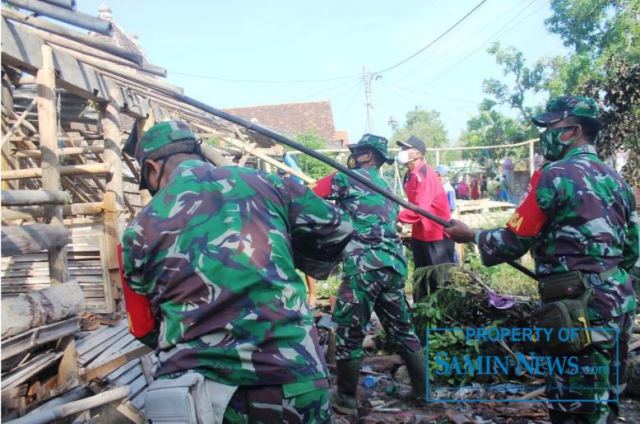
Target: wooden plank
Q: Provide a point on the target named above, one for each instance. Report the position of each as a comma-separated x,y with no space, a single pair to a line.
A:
98,337
26,371
38,336
132,412
115,349
90,355
104,369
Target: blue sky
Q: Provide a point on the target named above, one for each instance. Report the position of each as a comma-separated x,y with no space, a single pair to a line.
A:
283,41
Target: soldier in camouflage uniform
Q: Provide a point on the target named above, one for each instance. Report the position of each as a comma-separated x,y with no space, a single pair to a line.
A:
578,215
374,272
216,252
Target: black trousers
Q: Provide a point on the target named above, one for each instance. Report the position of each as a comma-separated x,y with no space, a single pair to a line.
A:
426,253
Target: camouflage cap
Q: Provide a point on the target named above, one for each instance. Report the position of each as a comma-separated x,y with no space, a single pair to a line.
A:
374,142
162,140
562,107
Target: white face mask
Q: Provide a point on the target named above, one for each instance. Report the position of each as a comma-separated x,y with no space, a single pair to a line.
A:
403,157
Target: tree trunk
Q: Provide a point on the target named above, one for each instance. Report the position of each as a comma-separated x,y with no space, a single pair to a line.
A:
41,307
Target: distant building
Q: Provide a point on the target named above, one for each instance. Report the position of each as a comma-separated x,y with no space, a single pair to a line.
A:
292,119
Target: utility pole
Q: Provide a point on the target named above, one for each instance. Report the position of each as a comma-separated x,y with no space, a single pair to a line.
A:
367,77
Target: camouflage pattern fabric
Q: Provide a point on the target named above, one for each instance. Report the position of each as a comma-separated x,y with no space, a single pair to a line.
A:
292,403
375,243
600,387
382,291
373,142
587,222
562,107
213,252
592,226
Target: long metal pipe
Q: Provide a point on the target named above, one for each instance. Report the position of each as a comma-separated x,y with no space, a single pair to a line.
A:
67,4
78,19
340,167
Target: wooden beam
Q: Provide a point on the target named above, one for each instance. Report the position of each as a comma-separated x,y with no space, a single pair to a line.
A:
33,238
65,151
87,169
94,208
41,307
18,122
255,152
93,42
34,197
23,50
62,411
50,164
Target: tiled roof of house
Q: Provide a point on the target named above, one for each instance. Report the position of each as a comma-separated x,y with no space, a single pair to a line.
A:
292,118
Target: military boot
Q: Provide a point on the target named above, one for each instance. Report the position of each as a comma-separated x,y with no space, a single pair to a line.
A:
343,399
417,369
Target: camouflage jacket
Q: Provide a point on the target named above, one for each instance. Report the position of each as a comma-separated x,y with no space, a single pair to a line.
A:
577,215
375,243
213,252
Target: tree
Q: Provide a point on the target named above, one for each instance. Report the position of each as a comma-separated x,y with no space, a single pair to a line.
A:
310,166
424,124
491,127
605,39
525,79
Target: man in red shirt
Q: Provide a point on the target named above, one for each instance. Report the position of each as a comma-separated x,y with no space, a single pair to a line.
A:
430,245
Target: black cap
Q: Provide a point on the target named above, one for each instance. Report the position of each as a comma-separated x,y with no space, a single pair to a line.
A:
413,143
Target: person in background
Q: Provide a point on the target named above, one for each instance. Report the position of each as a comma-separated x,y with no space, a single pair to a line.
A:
475,188
442,172
423,188
484,186
463,189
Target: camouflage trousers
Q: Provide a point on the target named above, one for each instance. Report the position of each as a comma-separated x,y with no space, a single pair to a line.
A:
382,291
302,403
594,390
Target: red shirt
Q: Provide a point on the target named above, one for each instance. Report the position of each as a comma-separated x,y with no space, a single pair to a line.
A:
424,189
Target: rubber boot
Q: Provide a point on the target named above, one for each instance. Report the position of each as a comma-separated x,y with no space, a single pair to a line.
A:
417,368
343,399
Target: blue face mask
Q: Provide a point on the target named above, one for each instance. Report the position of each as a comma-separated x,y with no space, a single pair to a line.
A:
552,147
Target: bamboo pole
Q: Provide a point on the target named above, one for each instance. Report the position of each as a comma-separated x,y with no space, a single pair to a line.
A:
50,166
34,197
18,122
94,208
86,169
113,198
65,151
270,160
72,408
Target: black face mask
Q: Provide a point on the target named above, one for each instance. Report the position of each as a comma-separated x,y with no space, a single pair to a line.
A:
154,190
352,163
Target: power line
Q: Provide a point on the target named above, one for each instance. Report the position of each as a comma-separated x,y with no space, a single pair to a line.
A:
435,40
496,34
258,81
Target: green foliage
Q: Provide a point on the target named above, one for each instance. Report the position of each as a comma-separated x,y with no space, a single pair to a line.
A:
491,127
310,166
525,79
424,124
